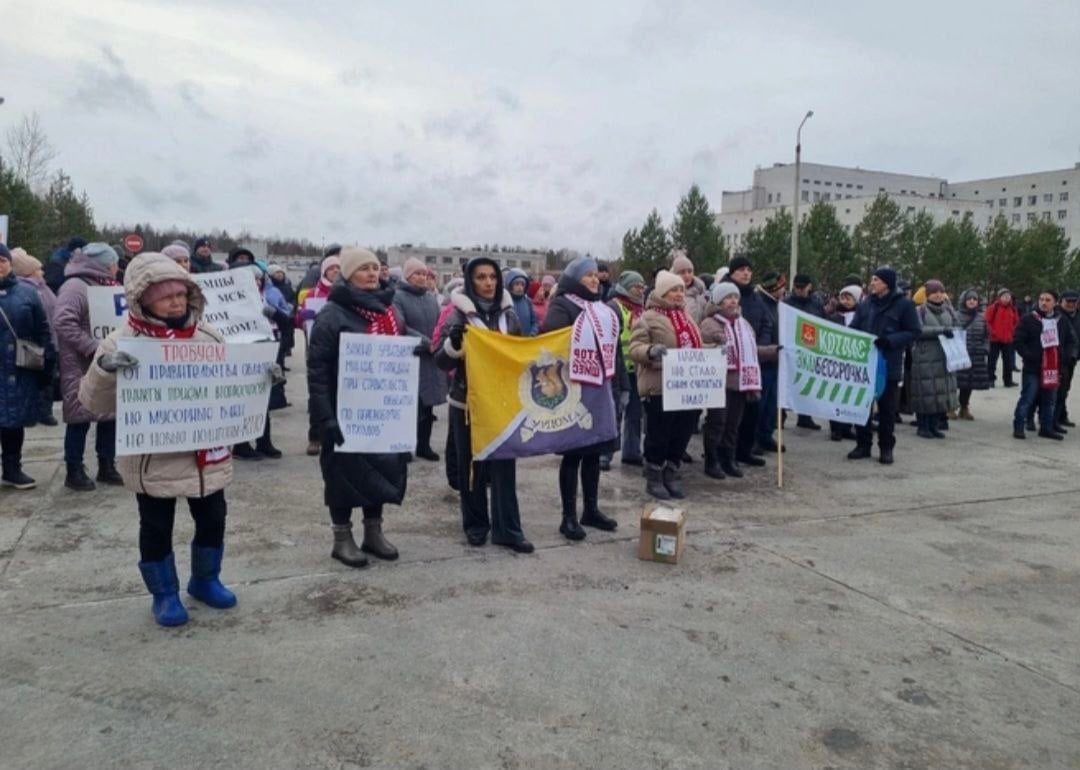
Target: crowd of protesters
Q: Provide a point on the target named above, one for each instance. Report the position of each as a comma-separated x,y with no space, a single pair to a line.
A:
48,352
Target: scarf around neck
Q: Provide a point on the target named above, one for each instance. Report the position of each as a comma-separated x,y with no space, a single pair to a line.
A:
593,342
161,332
686,331
741,348
1051,368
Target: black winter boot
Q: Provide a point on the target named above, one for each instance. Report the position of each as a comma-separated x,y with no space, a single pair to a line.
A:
107,473
860,452
77,478
672,482
375,543
345,549
728,465
245,452
654,482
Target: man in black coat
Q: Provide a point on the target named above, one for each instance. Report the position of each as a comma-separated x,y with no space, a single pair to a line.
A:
54,269
202,259
891,317
802,299
1042,339
1069,301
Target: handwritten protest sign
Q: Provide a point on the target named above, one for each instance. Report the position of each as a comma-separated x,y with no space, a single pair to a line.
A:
378,383
107,307
826,370
234,305
187,395
694,378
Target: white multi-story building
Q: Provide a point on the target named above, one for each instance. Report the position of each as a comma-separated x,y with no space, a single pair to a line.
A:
448,262
1048,195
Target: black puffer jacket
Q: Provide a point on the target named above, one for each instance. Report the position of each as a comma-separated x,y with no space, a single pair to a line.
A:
499,317
352,480
1028,339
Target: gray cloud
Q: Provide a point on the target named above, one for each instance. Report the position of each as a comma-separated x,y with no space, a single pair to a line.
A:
163,198
109,85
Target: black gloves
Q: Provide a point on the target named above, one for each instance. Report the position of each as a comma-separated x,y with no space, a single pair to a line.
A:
332,431
420,350
947,334
457,337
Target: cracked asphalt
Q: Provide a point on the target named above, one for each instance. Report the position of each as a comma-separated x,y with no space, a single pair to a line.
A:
923,615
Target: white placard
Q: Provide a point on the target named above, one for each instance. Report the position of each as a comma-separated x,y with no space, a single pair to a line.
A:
314,304
107,307
694,378
378,385
186,395
1049,337
3,229
234,305
956,354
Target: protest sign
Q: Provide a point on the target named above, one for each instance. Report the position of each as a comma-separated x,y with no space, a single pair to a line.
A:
234,305
956,354
186,395
378,386
107,309
826,370
694,378
314,304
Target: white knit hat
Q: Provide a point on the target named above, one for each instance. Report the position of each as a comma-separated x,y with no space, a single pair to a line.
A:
665,282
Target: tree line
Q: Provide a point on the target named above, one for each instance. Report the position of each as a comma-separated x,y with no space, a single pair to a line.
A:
693,229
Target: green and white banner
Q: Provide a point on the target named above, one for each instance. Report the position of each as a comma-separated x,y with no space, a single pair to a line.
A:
826,370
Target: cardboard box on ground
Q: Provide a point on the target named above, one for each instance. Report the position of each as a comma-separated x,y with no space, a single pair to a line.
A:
663,534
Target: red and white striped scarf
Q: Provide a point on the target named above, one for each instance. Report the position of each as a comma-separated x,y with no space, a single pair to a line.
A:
687,334
741,347
594,342
380,323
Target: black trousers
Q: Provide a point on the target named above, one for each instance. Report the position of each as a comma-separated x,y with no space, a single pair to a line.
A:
1062,408
450,458
343,516
589,467
425,420
748,426
732,436
887,406
11,444
1005,350
157,514
504,522
667,434
965,397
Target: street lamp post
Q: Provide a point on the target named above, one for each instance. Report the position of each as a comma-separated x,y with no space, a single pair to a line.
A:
795,203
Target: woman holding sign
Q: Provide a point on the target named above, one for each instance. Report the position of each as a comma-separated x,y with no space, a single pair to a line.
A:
356,304
724,326
597,363
163,302
664,325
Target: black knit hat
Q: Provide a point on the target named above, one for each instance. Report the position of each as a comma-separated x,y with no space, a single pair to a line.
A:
737,263
802,280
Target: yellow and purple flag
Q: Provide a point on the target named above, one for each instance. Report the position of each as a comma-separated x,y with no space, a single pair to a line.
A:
522,402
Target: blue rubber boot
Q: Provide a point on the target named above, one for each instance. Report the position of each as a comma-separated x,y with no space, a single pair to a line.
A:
160,579
204,584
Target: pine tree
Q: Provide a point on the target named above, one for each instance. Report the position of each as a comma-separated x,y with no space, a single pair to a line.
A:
825,248
695,231
915,238
877,237
648,247
955,255
769,247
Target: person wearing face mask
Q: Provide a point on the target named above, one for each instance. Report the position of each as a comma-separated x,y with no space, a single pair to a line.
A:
95,265
843,314
22,317
628,300
481,302
366,480
578,303
663,325
165,303
418,305
933,386
891,318
977,377
724,326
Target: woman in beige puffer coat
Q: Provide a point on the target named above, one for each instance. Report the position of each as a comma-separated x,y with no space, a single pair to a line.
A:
164,302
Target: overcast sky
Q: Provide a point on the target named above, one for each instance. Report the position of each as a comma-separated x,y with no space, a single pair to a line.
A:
561,124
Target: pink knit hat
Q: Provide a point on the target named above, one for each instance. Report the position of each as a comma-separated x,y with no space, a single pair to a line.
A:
413,265
160,290
328,263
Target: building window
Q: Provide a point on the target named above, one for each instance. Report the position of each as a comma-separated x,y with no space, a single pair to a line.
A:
806,195
1046,215
770,197
847,196
903,192
1003,202
817,196
847,211
1031,216
826,196
1062,213
991,203
448,260
828,184
1033,199
1016,218
976,192
526,264
1032,187
431,260
881,189
857,187
1048,197
848,186
1063,197
911,209
956,213
778,197
817,181
1018,201
805,181
1003,189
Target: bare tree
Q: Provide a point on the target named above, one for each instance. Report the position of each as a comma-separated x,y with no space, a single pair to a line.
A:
30,150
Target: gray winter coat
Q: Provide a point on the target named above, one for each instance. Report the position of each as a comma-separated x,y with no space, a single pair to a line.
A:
933,388
978,347
420,309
